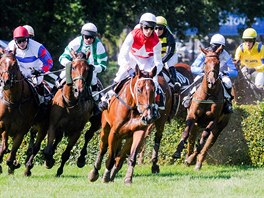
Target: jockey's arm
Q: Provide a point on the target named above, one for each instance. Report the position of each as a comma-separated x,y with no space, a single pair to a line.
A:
123,57
198,64
157,57
45,58
231,69
170,49
100,61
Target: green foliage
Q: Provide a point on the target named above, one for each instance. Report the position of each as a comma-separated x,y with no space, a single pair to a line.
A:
235,145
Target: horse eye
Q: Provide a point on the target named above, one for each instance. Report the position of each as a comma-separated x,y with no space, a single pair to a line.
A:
139,90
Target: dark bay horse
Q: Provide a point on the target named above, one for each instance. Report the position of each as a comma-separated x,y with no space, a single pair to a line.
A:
129,115
19,111
206,110
71,109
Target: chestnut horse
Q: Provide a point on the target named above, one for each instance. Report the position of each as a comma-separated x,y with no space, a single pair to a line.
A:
159,125
19,111
206,110
71,109
129,115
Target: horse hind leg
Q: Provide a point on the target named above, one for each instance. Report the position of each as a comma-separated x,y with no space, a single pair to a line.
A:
94,173
66,154
95,125
137,140
35,150
11,160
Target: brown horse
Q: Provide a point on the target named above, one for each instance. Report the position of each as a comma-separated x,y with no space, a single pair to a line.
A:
245,91
206,111
159,125
71,109
18,112
129,115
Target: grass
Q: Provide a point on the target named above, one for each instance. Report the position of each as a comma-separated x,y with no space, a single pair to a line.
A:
173,181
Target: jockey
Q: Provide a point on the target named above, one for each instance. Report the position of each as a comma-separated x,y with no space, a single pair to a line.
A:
141,47
250,54
32,58
87,41
30,31
227,71
169,57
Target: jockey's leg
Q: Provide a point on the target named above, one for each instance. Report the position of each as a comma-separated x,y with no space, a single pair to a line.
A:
186,101
174,79
121,75
227,85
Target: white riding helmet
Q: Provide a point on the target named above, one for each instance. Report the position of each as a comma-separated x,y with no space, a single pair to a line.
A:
148,19
218,39
30,30
89,29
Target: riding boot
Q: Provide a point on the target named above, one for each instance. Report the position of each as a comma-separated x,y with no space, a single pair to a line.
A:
160,99
174,80
103,104
228,103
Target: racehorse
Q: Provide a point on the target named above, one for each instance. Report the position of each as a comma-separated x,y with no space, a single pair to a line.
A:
71,109
206,110
129,115
19,111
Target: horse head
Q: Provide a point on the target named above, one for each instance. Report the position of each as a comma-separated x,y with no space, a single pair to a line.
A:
79,73
212,66
143,91
9,69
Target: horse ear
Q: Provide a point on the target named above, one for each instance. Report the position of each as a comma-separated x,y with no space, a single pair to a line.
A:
219,49
137,70
153,72
88,54
204,50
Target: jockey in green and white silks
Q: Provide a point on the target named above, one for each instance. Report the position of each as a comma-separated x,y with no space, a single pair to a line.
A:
87,41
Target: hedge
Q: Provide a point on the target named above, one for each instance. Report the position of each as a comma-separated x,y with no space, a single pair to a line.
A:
241,142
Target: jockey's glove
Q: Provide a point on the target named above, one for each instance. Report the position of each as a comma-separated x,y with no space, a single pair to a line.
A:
36,72
97,69
131,72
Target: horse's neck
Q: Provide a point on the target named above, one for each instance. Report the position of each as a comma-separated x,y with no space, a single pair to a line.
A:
210,92
68,92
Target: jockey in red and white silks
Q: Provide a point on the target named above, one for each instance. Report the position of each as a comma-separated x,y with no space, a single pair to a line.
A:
140,50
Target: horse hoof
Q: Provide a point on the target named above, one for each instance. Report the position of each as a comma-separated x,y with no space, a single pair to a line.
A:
128,181
176,155
59,172
81,162
106,176
155,169
27,173
49,163
198,166
93,175
1,170
187,163
10,171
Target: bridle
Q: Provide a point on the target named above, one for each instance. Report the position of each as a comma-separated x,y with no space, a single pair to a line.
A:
135,96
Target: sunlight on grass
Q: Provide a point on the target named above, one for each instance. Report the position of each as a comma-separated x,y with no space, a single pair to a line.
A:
173,181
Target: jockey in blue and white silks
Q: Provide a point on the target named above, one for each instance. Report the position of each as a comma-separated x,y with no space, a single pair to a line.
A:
30,54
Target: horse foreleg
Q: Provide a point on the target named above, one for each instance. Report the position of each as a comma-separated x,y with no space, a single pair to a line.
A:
33,132
4,148
190,147
183,141
95,125
120,158
137,140
11,160
29,164
156,147
66,154
94,173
